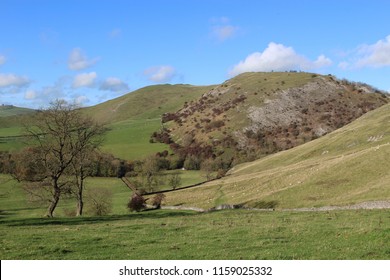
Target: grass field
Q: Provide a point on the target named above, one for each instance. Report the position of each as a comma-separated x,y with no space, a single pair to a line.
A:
125,139
130,139
177,234
233,234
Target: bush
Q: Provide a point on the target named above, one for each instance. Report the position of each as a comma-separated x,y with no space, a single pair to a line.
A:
157,200
99,202
136,203
192,163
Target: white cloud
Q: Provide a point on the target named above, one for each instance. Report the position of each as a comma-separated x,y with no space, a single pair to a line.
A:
277,57
80,100
2,59
84,80
375,55
160,74
222,30
12,80
322,61
114,84
30,94
225,32
78,60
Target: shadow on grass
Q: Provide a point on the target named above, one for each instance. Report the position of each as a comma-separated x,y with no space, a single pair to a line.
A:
156,214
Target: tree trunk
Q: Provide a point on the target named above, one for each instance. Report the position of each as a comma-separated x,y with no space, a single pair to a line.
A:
80,202
80,205
53,203
80,183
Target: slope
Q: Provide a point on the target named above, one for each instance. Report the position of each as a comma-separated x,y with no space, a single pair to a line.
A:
10,110
146,103
132,118
256,114
347,166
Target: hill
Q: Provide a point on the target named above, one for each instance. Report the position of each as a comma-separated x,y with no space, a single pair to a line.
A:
10,110
255,114
146,103
347,166
246,117
132,118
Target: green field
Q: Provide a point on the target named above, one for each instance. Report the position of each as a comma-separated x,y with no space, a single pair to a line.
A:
131,119
177,234
130,139
125,139
9,110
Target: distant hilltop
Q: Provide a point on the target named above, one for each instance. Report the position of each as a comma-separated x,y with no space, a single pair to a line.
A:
7,110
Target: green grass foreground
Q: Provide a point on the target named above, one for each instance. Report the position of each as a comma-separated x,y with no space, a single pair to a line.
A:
230,234
178,234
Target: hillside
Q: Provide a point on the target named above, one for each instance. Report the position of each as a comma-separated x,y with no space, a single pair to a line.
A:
255,114
347,166
132,118
146,103
9,110
246,117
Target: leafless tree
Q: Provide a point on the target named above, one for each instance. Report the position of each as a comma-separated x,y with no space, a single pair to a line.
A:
62,141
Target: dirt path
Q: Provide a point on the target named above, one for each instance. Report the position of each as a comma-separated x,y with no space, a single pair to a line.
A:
383,204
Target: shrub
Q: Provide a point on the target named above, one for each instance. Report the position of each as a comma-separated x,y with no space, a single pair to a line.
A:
99,202
192,163
136,203
157,200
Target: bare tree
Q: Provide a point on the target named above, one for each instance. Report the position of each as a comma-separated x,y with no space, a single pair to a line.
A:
174,180
62,140
150,172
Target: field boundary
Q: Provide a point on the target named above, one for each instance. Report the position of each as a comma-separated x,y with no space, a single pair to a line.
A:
369,205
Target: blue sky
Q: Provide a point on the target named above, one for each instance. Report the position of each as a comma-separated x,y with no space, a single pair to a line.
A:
92,51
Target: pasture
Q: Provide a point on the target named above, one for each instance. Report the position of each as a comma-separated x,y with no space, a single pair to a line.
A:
178,234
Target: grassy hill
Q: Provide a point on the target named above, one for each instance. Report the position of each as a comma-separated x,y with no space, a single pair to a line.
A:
131,119
347,166
9,110
261,113
146,103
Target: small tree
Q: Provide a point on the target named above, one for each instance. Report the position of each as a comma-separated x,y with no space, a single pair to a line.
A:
208,167
174,180
150,172
136,203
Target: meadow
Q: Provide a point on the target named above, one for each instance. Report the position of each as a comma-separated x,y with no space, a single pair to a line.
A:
179,234
127,139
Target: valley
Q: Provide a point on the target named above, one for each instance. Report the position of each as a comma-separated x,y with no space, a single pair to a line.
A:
277,142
